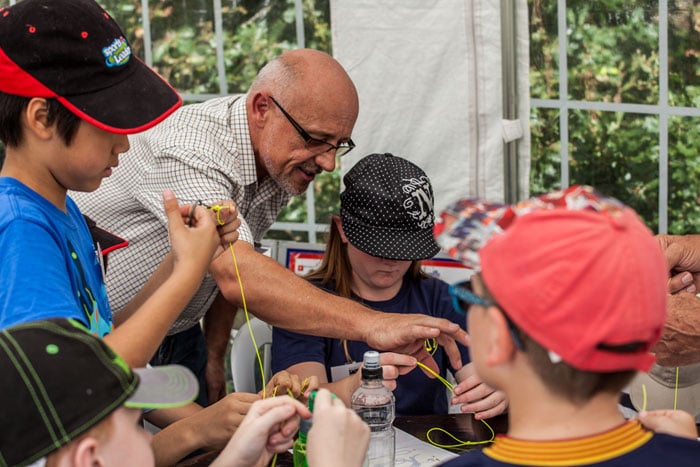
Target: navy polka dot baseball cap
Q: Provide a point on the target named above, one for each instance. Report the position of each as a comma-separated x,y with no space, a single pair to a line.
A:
73,51
387,208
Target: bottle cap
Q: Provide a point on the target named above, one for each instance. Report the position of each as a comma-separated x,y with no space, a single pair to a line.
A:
371,359
371,369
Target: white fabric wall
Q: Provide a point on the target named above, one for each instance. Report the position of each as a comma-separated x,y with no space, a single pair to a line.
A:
428,74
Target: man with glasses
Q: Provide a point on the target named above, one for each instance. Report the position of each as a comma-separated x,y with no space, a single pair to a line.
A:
258,149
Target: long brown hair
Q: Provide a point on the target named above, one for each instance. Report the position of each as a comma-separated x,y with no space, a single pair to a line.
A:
336,267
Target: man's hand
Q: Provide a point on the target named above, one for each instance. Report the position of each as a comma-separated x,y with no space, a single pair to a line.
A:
406,333
680,342
683,258
671,422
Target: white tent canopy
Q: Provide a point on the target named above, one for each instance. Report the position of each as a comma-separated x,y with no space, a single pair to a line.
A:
430,79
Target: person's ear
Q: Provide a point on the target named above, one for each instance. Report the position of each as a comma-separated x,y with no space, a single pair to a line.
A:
36,118
501,346
85,453
339,224
260,109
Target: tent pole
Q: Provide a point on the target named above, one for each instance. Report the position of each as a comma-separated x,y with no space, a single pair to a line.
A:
509,51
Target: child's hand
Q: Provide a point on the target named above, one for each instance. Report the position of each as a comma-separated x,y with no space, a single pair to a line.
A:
268,428
338,436
671,422
393,366
193,245
477,397
215,424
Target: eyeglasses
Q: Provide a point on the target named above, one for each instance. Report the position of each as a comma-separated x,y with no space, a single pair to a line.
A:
460,292
313,144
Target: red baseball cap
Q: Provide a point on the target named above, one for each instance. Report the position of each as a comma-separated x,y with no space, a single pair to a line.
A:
72,50
578,272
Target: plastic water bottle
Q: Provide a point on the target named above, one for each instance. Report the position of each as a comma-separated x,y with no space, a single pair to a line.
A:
375,404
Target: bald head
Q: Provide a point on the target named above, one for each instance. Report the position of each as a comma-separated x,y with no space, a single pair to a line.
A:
309,76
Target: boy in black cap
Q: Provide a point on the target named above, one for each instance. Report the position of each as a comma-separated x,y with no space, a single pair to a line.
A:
70,93
373,255
57,409
58,413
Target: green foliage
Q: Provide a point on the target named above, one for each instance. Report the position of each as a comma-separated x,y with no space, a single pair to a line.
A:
184,37
184,52
684,175
612,56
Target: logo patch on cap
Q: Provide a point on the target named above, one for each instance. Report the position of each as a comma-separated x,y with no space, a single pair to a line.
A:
419,205
117,53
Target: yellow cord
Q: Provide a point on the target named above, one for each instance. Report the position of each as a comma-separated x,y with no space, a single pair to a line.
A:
247,320
675,392
431,345
217,209
459,443
440,378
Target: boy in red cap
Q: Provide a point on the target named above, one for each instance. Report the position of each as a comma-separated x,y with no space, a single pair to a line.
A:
568,298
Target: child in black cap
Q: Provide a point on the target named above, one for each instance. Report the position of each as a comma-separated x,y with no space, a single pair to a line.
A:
53,407
373,254
56,412
70,93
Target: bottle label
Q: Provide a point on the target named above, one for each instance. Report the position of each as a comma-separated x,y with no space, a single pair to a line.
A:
343,371
374,416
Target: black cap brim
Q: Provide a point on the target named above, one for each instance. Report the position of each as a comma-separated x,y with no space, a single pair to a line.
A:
135,104
397,244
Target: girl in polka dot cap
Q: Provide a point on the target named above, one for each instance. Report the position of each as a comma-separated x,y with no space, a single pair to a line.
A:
373,254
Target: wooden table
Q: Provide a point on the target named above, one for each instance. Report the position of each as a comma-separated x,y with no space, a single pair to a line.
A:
463,426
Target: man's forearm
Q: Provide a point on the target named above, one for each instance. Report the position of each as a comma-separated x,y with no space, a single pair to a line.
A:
281,298
680,342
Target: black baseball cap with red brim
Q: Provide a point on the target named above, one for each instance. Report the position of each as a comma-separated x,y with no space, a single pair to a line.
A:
73,50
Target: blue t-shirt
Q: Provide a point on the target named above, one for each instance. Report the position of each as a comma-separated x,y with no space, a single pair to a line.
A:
416,393
49,266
